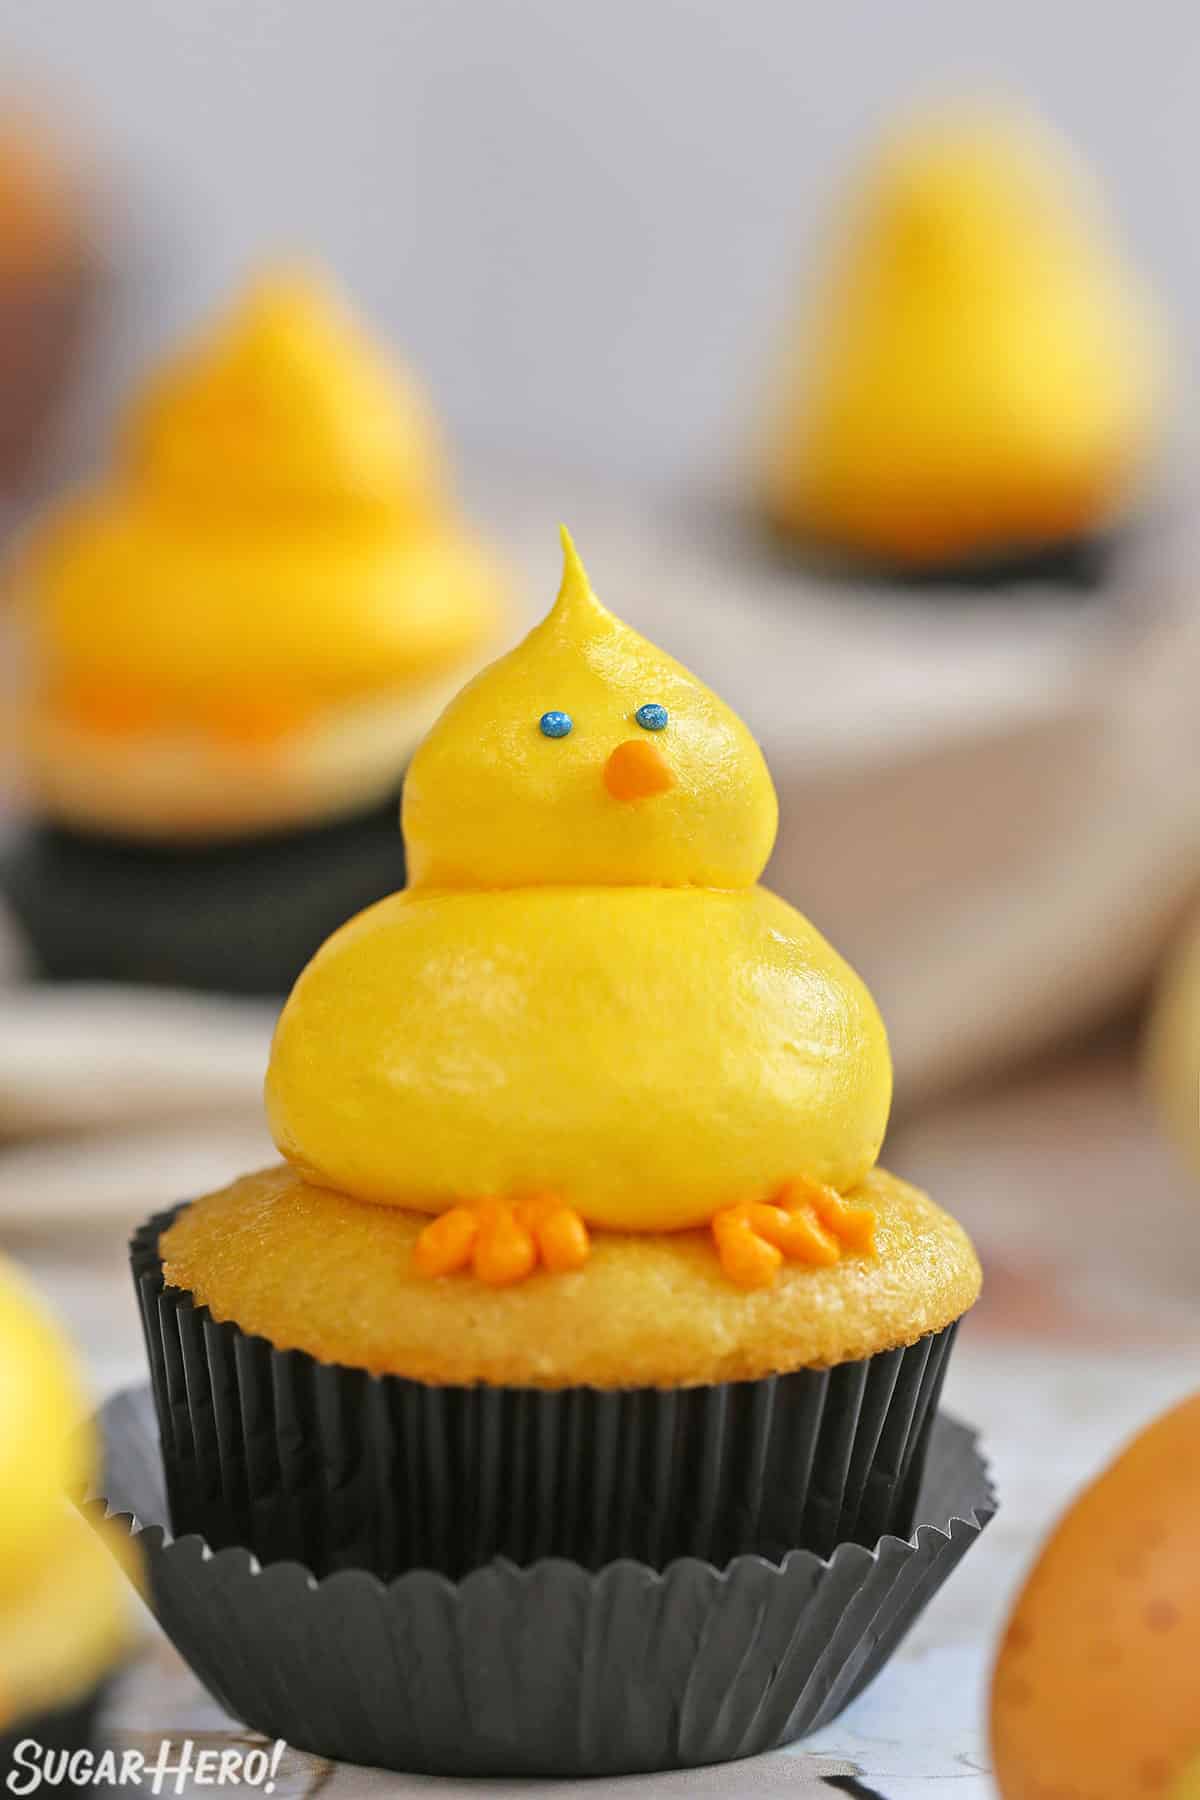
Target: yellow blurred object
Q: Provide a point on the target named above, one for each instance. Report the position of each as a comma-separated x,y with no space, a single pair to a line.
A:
1094,1689
1173,1047
288,404
264,608
978,371
583,992
62,1614
68,1627
43,1452
1187,1784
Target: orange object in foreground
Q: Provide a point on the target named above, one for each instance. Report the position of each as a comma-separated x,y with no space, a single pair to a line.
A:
1095,1686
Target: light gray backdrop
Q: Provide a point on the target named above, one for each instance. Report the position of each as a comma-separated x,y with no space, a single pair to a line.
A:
580,218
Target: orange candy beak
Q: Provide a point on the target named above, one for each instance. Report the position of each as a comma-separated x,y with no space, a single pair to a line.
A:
637,770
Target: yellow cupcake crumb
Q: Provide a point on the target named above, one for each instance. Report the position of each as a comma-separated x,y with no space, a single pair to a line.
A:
315,1270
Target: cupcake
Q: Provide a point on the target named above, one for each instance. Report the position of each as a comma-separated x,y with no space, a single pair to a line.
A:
62,1612
580,1247
975,389
233,645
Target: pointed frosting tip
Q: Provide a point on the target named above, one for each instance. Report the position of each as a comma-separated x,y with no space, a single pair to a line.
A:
575,596
293,300
574,575
576,605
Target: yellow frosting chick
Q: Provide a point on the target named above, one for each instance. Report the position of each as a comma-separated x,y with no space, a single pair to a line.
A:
978,371
62,1618
265,606
583,1011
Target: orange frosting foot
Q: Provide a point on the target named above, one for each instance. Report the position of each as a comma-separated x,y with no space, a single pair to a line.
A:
503,1243
805,1222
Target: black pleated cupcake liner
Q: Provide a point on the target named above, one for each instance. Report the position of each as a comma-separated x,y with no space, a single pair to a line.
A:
335,1468
1079,565
242,916
548,1670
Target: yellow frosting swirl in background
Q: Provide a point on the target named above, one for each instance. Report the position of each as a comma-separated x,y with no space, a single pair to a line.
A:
977,369
290,403
275,544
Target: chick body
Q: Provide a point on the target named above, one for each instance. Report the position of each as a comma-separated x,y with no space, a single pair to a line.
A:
584,991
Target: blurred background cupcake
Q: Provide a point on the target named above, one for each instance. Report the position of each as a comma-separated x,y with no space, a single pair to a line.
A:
976,386
232,644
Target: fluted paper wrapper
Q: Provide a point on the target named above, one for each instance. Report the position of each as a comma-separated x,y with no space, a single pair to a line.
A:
547,1670
335,1468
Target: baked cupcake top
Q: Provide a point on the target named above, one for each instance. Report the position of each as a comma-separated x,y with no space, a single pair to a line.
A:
262,608
313,1270
62,1615
583,1012
977,370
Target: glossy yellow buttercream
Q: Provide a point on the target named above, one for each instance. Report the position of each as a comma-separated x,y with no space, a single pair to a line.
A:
583,991
490,802
275,549
978,370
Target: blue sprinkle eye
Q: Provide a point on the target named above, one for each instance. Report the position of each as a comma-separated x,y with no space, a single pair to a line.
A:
652,716
555,724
